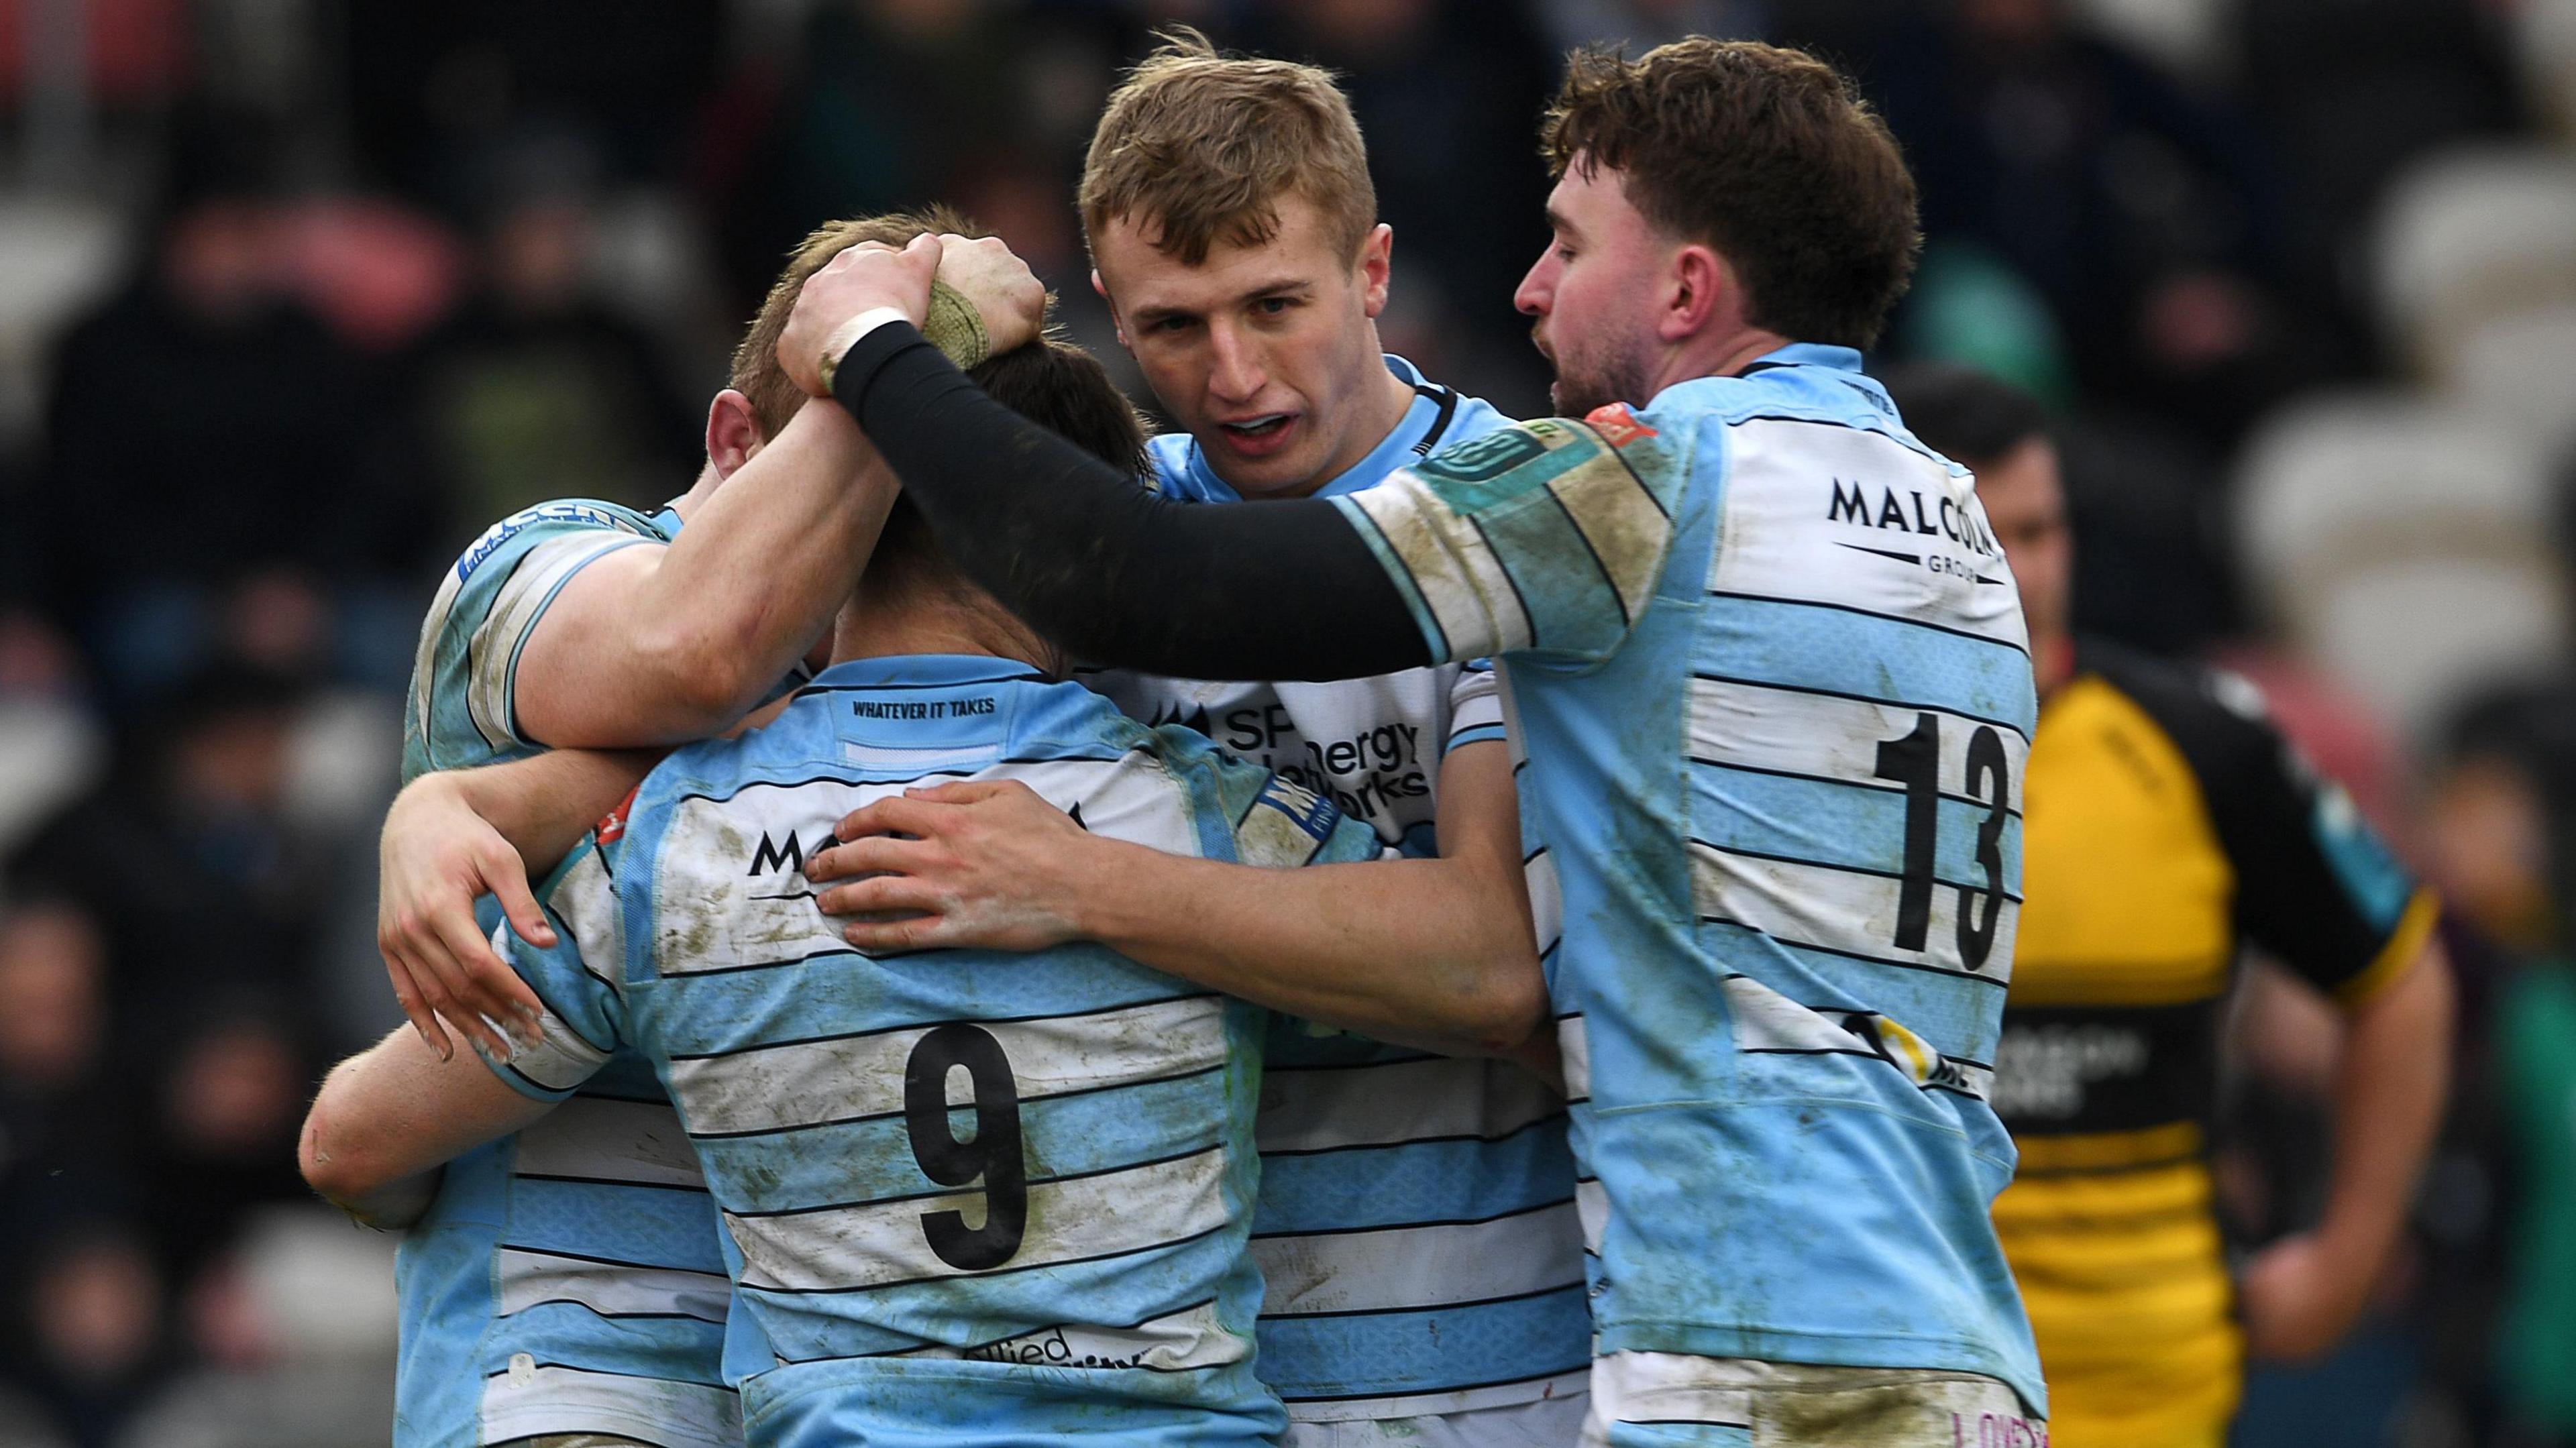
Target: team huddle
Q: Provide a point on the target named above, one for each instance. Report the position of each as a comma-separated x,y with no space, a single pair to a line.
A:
1357,921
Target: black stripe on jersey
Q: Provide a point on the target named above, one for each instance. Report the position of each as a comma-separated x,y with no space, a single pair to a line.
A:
1071,1176
1447,397
1433,1392
1870,785
1205,995
1002,678
1689,1422
1556,1115
1913,446
1626,619
746,786
614,1373
1519,598
611,1316
1846,869
1034,1331
807,958
1978,976
1419,1056
1871,613
1823,693
1025,1096
1407,1226
1161,1246
1386,549
590,1181
1572,1285
716,1274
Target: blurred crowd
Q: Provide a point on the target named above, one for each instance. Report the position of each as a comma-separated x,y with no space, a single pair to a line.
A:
298,295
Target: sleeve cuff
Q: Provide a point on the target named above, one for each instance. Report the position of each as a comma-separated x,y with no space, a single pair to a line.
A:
2405,945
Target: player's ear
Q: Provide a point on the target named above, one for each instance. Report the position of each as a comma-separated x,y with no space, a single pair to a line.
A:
1115,320
1700,290
1377,266
733,432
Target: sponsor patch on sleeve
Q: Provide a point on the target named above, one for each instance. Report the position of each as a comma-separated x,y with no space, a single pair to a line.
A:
1617,425
612,825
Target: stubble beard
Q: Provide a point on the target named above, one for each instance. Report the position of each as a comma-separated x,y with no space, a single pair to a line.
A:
1586,383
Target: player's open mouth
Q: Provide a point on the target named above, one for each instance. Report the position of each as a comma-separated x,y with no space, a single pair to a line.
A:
1257,435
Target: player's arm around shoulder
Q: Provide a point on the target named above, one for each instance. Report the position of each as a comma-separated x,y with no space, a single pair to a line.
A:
387,1118
1395,948
1545,537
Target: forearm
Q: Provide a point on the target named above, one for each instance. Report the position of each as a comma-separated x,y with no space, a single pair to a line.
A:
545,804
1286,590
1430,953
389,1117
754,580
2389,1093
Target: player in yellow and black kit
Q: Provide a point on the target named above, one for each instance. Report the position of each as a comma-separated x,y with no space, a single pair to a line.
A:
2168,823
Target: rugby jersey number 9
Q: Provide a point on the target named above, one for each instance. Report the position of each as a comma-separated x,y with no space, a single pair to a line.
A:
993,1155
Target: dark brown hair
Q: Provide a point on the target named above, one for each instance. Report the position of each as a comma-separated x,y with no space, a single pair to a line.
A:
1766,154
1195,146
756,373
1054,384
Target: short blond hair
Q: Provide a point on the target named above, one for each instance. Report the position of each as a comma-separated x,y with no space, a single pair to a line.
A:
756,373
1195,146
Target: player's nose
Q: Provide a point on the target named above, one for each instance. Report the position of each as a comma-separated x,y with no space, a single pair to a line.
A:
1237,372
1537,291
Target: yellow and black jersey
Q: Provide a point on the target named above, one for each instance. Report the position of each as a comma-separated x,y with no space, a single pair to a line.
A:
2167,823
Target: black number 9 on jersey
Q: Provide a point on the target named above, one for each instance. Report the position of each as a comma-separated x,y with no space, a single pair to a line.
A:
1915,762
993,1155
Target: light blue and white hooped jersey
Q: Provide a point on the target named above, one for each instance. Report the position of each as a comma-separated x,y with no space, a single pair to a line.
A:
1416,1228
1768,673
969,1195
568,1279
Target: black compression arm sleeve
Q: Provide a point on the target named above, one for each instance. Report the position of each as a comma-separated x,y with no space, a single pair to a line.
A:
1284,590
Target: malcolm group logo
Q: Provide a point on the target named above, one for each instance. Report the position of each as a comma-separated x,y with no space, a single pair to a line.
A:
774,856
1885,509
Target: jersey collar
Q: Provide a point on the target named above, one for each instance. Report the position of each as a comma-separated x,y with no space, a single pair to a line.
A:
1420,430
932,670
1805,354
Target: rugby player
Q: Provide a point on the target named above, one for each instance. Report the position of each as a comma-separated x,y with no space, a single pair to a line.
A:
1417,1225
969,1197
569,1280
2169,824
1417,1230
1773,743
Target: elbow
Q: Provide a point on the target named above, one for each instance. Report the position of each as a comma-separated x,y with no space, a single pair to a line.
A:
335,1163
706,678
1510,1007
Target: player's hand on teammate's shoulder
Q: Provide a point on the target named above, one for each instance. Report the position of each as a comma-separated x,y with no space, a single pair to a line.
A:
860,280
435,859
985,863
1007,295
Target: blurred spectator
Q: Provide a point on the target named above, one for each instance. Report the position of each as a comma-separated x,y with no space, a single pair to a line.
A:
206,427
98,1341
2140,212
537,389
187,857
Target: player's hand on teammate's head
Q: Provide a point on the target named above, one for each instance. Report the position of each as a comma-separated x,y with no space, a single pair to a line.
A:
850,285
984,863
437,857
1007,295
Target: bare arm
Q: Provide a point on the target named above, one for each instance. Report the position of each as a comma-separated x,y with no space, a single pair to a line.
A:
1435,953
387,1118
455,836
2304,1292
659,645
